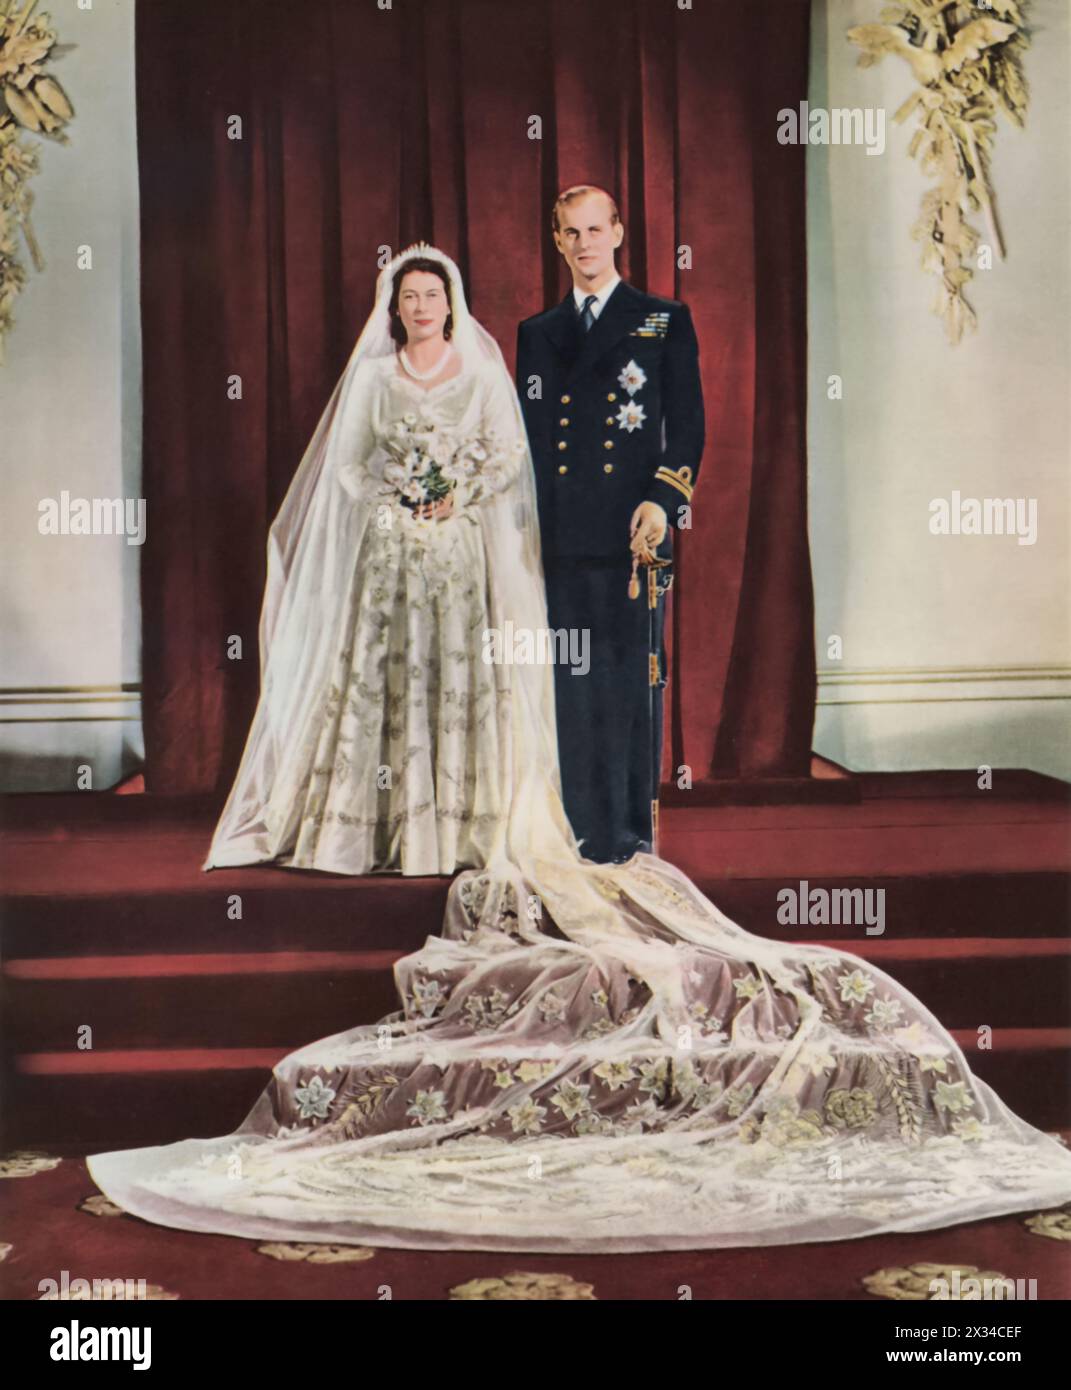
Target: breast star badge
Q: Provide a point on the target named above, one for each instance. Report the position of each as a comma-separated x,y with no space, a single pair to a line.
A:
632,378
631,416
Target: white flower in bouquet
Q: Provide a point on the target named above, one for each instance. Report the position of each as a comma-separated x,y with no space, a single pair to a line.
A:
427,462
440,446
465,461
404,470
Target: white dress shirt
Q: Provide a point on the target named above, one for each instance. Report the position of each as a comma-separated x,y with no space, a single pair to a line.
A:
601,296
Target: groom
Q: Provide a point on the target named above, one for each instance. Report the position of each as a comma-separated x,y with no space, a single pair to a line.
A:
609,384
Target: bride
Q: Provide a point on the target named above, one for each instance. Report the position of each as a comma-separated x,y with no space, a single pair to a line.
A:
591,1057
376,743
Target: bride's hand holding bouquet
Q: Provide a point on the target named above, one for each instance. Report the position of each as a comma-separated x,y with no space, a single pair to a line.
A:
428,464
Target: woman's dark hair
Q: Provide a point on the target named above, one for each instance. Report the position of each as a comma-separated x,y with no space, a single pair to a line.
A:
397,328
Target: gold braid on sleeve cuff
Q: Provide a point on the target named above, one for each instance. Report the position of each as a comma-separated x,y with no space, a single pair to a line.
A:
680,478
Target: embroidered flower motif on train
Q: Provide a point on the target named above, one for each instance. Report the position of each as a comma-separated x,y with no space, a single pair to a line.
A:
314,1099
484,1011
428,1107
429,996
850,1109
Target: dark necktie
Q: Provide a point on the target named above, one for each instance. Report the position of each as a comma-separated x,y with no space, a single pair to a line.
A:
587,317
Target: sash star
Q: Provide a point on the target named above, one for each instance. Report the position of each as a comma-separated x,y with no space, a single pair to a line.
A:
632,378
631,416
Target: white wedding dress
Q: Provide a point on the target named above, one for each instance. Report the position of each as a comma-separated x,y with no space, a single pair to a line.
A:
590,1057
391,759
403,772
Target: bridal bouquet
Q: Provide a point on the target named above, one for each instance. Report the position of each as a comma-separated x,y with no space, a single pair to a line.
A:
428,461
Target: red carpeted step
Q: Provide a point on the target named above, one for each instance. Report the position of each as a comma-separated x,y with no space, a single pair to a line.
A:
250,999
913,904
122,1109
937,905
976,981
152,1096
95,874
975,915
1029,1068
280,911
246,999
318,912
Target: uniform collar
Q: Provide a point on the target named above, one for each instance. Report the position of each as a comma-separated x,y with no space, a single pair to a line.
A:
601,296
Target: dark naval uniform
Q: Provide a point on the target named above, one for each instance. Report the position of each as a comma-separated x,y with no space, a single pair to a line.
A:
614,415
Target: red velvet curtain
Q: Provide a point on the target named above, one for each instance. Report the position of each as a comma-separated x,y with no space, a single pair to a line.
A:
363,128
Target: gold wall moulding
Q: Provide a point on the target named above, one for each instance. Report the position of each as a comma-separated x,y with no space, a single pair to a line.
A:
125,690
38,704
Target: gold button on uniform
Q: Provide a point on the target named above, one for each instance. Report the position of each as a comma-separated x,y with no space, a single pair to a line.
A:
609,444
609,419
562,444
612,396
566,400
564,420
562,468
607,468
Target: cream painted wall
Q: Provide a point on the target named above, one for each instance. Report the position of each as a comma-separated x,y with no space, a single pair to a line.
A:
956,648
70,414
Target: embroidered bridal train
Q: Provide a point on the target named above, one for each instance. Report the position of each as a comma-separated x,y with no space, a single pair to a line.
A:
654,1079
590,1057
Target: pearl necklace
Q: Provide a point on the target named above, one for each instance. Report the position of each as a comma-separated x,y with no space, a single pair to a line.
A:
424,376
